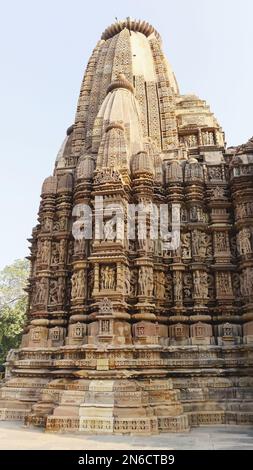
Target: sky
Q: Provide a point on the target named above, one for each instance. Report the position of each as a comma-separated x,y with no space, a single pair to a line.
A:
44,49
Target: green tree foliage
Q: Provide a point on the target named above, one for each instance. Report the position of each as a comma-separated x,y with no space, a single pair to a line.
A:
13,303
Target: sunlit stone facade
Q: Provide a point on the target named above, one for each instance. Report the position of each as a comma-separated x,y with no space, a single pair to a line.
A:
123,336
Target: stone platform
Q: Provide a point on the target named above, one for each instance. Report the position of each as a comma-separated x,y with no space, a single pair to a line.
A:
130,391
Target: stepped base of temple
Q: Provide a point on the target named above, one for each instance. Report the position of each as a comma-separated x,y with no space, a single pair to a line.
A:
121,390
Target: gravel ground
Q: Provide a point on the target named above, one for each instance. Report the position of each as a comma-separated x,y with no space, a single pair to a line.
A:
16,436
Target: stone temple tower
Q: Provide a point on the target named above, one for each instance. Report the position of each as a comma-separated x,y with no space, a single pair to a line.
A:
122,334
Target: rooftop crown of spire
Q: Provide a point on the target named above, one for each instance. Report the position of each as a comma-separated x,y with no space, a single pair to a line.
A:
132,25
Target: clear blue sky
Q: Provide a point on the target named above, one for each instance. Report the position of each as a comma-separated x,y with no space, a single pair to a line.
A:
45,46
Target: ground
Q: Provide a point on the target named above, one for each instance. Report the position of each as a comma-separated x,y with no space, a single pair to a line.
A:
16,436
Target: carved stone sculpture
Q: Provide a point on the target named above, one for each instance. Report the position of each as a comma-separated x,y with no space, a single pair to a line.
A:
244,241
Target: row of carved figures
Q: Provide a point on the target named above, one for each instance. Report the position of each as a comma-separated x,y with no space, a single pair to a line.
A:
193,140
196,243
145,282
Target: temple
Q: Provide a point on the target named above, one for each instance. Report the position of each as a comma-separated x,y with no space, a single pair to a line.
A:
128,334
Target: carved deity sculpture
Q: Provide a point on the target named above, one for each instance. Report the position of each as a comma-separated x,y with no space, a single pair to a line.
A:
207,138
62,251
221,241
159,285
186,245
55,254
247,282
78,284
200,284
223,283
109,230
127,283
178,286
215,173
40,295
47,224
187,285
244,241
145,281
107,280
191,140
199,243
56,291
45,251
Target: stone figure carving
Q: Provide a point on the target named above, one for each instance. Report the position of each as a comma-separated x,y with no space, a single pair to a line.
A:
55,254
47,225
223,283
244,241
60,224
184,214
215,173
188,285
208,138
198,215
194,214
159,285
244,210
178,287
107,175
107,277
199,243
62,251
56,291
247,282
78,284
200,284
145,281
221,241
40,296
109,230
186,245
44,251
127,283
190,140
78,330
227,329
